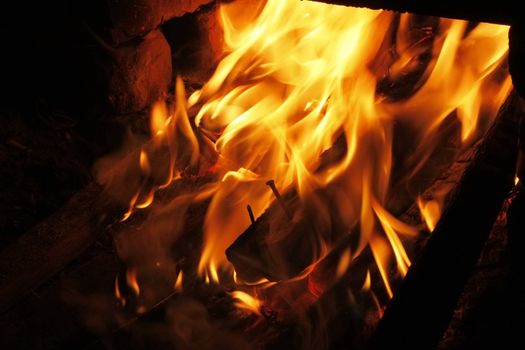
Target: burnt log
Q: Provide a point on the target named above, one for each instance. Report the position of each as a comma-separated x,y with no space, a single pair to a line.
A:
421,309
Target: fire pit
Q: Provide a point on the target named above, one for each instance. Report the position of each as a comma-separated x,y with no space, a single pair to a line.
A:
317,177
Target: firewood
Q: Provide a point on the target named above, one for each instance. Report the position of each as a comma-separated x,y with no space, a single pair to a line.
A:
48,247
283,242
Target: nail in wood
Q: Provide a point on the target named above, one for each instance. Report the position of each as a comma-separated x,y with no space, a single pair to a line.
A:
277,195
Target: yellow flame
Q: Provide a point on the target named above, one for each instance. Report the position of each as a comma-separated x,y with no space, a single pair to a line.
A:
381,254
368,282
132,202
300,80
430,212
179,281
245,301
144,162
388,223
298,76
159,118
147,201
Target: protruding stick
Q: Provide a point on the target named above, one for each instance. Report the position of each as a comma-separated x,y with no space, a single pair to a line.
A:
250,213
271,183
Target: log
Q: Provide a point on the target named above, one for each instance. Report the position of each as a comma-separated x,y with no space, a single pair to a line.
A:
63,300
420,311
256,255
43,251
486,302
516,243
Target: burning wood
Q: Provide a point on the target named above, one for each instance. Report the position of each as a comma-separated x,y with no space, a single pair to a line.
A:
273,117
318,125
453,249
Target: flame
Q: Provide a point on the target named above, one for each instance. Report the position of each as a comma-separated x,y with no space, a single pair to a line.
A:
276,113
179,281
430,212
344,263
388,223
368,282
245,301
118,294
159,118
300,80
131,280
381,252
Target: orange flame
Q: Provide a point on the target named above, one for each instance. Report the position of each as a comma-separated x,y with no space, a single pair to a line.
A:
344,262
245,301
118,294
368,282
276,113
159,118
131,280
430,212
179,281
298,78
381,253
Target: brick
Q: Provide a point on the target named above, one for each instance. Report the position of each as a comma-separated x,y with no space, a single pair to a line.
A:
133,18
140,73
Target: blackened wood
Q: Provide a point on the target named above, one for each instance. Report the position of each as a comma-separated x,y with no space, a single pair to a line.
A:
516,237
483,315
419,312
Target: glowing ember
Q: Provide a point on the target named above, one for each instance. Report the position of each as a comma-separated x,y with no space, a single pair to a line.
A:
297,103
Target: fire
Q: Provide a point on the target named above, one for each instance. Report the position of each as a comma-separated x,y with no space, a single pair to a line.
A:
118,294
430,212
179,281
131,279
245,301
302,75
299,83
